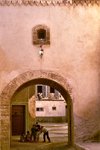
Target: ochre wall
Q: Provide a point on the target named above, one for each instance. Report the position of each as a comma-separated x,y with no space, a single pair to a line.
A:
22,97
73,53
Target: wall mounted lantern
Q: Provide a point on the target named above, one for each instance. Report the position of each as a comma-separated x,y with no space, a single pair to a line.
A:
41,36
41,51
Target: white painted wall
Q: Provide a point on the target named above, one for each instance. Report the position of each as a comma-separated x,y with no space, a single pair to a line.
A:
48,112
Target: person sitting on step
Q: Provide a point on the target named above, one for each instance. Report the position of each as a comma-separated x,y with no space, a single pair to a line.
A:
28,137
22,137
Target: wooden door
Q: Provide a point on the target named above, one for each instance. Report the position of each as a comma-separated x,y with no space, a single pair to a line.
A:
18,119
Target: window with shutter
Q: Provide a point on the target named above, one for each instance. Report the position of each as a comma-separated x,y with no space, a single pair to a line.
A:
44,91
56,94
48,91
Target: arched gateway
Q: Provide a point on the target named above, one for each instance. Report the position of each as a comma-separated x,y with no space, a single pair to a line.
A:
35,76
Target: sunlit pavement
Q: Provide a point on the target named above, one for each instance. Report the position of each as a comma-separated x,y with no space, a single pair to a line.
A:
59,139
89,145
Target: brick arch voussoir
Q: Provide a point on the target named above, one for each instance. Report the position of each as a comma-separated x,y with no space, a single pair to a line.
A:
31,75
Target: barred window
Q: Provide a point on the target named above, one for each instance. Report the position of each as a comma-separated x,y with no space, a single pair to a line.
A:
41,33
53,108
39,109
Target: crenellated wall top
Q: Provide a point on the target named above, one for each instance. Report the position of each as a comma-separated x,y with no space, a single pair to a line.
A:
48,2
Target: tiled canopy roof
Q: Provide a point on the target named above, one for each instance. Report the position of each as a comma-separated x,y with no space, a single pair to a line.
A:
48,2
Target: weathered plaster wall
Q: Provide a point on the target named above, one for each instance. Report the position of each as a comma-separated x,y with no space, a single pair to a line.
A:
73,53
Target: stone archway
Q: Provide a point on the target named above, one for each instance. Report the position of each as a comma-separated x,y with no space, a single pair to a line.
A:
36,76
